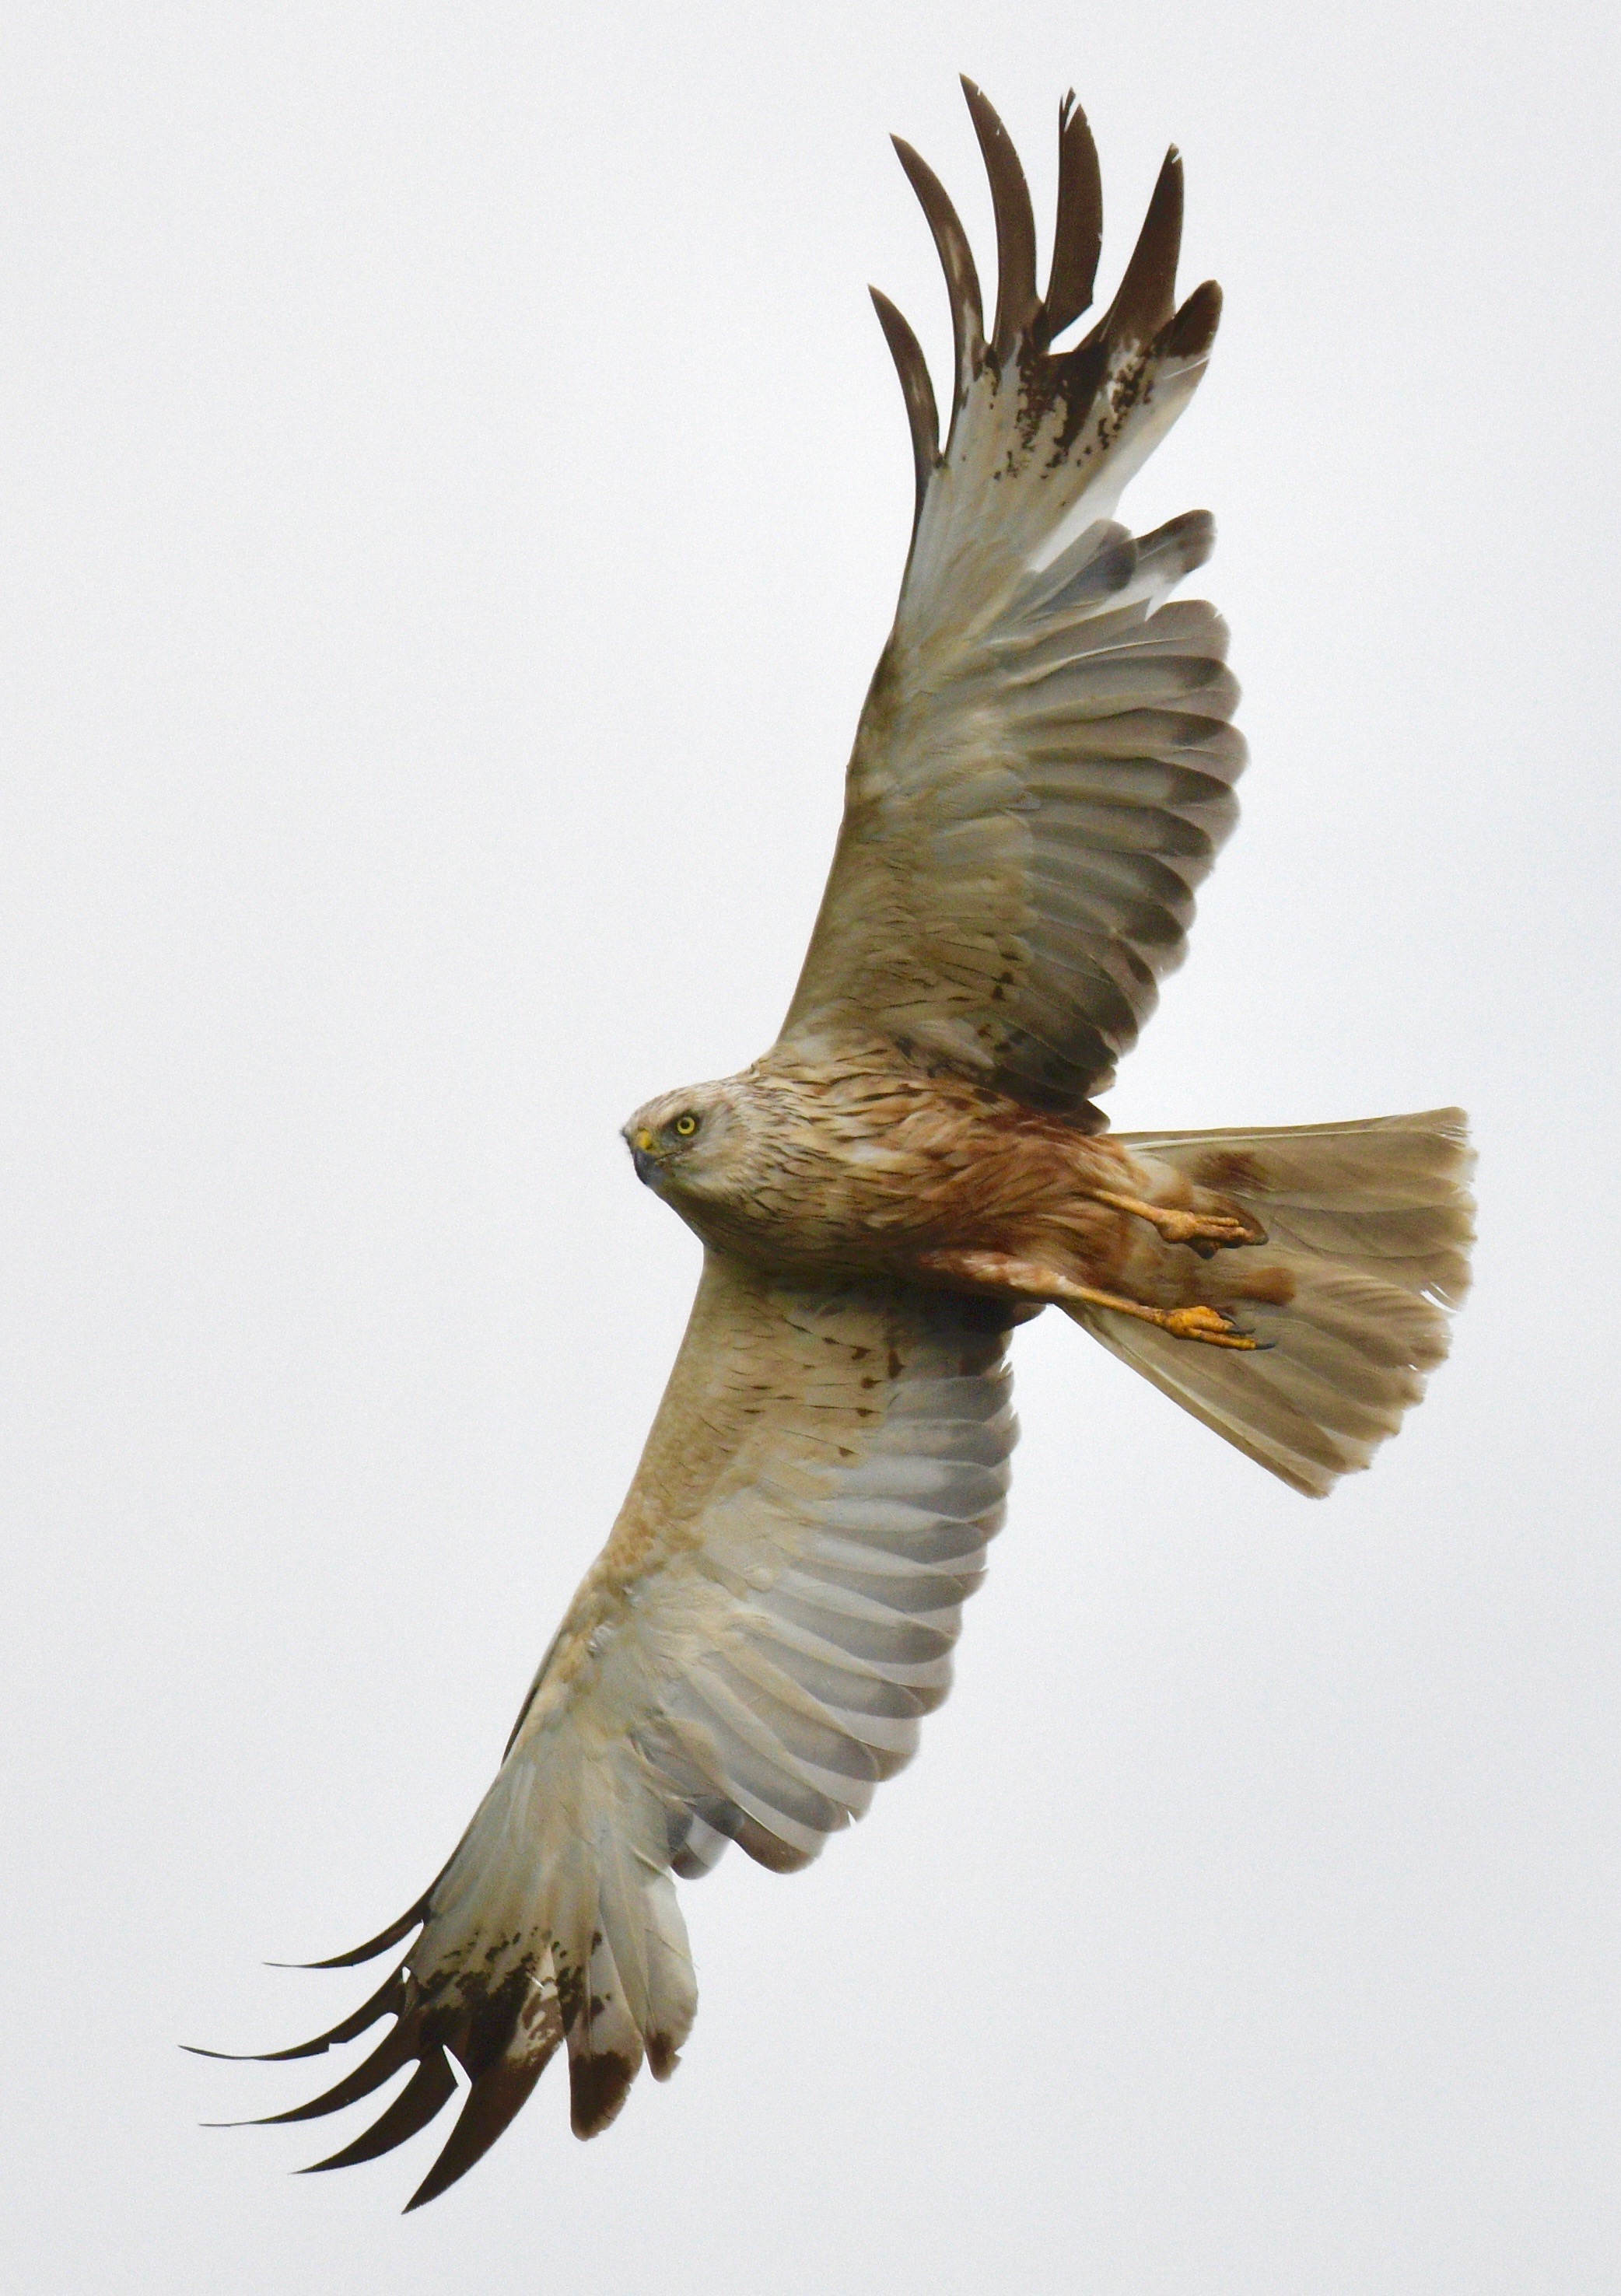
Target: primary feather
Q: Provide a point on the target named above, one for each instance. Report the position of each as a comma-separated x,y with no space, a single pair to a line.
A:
1042,772
749,1655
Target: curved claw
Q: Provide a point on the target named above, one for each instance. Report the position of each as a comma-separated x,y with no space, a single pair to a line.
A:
1208,1323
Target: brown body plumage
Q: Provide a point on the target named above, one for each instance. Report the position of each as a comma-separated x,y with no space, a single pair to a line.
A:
1041,777
856,1164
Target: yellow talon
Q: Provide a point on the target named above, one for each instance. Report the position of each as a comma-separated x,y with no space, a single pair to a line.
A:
1207,1324
1206,1232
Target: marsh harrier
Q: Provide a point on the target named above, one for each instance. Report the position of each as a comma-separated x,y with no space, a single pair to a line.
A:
1042,776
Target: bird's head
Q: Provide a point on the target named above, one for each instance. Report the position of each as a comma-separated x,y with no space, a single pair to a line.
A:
688,1142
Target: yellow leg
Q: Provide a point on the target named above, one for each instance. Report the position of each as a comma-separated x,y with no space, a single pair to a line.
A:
1208,1323
998,1271
1179,1226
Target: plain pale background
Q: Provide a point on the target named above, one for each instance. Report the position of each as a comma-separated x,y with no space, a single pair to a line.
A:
454,498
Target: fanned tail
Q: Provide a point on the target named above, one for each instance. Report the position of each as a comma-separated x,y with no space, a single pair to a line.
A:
1368,1227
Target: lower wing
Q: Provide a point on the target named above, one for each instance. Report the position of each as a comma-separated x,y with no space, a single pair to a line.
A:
747,1656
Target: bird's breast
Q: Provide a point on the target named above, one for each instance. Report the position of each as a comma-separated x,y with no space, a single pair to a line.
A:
854,1179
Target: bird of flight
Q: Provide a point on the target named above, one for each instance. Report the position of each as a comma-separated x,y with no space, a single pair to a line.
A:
1042,776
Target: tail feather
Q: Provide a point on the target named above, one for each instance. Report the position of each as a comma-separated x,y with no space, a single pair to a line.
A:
1369,1226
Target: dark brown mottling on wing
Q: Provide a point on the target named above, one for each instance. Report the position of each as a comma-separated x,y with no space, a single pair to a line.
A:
1043,771
748,1658
1041,778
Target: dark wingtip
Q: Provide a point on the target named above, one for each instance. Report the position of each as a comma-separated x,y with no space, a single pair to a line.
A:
922,414
388,2001
1078,238
425,2093
1146,295
662,2055
496,2097
598,2086
956,261
409,1920
1193,330
1016,301
397,2048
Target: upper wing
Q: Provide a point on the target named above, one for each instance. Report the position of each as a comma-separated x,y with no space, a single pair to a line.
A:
746,1659
1042,772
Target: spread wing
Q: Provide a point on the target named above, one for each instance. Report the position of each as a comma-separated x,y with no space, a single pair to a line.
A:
747,1656
1042,772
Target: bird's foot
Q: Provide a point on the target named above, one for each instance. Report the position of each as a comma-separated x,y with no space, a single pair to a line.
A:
1205,1232
1002,1273
1208,1323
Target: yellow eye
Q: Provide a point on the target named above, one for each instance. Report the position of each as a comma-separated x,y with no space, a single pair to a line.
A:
685,1127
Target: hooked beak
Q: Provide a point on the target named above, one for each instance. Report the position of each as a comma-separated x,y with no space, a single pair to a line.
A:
640,1145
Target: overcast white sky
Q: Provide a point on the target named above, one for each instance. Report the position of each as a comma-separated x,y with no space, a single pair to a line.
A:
454,497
